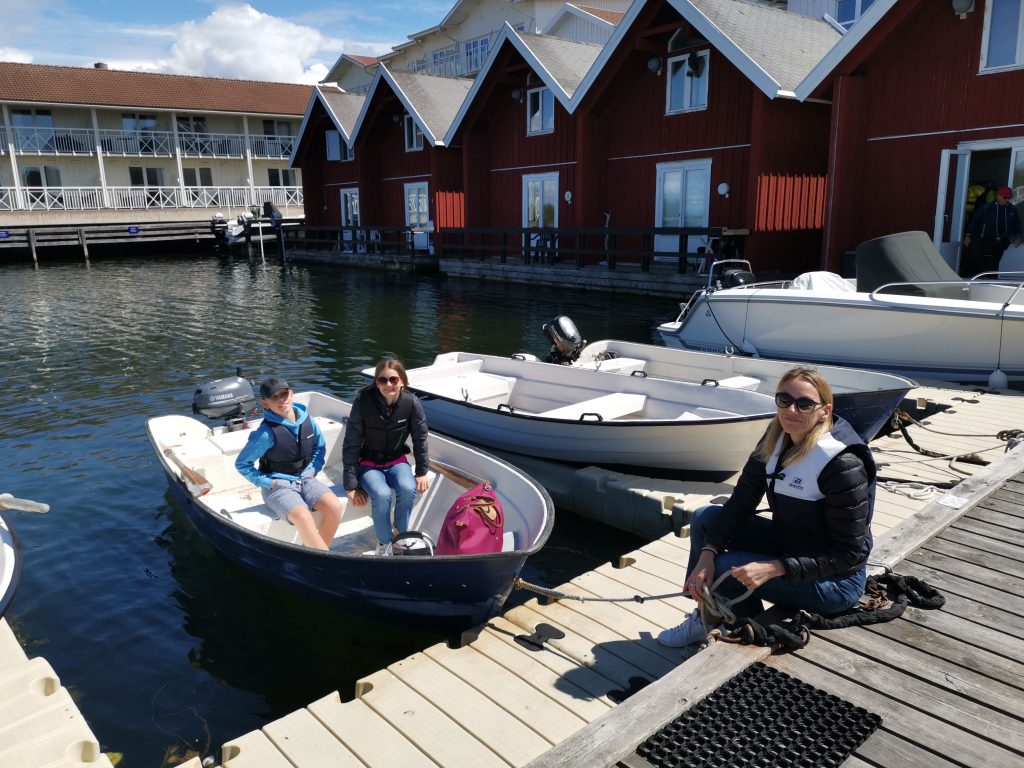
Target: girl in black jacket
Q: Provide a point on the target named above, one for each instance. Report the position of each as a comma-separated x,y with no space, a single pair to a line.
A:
811,552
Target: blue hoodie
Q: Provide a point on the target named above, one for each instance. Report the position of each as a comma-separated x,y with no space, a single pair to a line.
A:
262,440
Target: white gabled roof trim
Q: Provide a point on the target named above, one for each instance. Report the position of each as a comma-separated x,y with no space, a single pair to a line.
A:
314,97
384,74
841,49
571,10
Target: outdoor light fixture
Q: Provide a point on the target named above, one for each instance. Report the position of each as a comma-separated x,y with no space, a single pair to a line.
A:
396,119
517,94
723,189
654,64
962,7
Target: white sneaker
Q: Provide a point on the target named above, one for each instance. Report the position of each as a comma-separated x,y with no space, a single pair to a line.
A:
690,632
382,549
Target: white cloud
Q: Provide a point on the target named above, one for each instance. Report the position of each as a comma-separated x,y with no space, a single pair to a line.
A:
13,54
237,41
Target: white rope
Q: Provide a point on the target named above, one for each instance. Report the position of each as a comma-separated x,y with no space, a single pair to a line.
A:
909,489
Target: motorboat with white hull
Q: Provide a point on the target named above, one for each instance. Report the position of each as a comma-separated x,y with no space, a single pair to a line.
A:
583,417
442,591
908,312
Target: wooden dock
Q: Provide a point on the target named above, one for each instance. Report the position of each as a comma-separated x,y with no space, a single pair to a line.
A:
573,683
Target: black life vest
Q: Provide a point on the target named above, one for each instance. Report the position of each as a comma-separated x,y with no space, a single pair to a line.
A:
289,455
385,430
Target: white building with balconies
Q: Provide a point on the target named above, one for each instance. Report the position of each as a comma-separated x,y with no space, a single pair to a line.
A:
79,145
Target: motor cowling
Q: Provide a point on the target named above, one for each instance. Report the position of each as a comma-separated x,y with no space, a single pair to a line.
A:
734,277
566,340
227,398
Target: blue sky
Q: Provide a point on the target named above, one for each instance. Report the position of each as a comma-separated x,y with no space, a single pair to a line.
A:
287,41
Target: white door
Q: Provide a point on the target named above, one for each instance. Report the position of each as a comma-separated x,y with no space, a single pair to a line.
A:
349,215
1013,258
540,208
950,201
682,200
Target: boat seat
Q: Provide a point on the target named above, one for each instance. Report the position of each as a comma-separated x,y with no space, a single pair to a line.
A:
480,388
614,406
740,382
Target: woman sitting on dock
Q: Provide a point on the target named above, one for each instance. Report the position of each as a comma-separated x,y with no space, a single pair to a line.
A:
383,416
811,553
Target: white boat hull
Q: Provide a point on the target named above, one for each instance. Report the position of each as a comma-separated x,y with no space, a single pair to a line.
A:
956,339
10,563
864,398
582,416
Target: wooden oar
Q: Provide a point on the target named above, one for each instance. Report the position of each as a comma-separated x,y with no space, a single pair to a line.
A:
9,502
454,475
197,484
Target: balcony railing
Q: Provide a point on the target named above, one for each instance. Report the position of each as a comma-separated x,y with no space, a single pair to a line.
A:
95,198
82,141
136,143
453,63
53,141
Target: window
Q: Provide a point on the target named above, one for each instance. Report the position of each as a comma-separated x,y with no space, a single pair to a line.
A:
277,128
191,124
687,82
848,11
682,199
197,177
540,111
337,148
146,177
281,177
33,129
1002,38
413,135
476,53
34,176
417,207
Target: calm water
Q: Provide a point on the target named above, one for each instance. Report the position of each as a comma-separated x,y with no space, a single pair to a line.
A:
165,645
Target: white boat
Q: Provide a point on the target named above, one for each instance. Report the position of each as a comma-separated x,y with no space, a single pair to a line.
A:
907,312
580,416
10,563
449,591
864,398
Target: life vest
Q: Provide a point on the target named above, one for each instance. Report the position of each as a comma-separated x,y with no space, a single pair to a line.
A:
289,454
385,430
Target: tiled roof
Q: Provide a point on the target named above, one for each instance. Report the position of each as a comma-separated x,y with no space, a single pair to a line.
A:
364,60
612,17
566,60
89,86
786,45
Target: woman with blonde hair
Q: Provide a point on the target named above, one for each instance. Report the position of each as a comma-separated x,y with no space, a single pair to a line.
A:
811,552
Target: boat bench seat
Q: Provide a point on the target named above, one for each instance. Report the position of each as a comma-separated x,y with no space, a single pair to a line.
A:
486,389
740,382
615,365
613,406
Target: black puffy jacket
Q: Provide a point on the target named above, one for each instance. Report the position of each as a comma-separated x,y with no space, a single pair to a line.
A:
821,506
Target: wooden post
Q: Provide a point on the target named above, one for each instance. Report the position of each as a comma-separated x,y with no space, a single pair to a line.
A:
85,245
32,244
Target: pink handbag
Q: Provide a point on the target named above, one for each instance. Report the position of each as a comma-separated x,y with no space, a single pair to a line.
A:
473,525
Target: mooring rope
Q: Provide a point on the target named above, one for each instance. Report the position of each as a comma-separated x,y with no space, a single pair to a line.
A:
521,583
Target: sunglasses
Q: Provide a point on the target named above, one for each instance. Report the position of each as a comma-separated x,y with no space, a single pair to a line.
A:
388,380
803,404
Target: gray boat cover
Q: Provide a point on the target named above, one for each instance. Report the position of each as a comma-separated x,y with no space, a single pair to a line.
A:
906,257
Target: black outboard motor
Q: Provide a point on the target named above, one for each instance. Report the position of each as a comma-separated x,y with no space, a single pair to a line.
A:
229,399
270,211
566,341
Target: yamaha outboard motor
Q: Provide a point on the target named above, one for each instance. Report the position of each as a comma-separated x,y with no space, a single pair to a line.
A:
229,399
566,341
732,278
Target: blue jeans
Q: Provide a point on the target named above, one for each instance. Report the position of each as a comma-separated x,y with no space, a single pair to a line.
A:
378,484
755,541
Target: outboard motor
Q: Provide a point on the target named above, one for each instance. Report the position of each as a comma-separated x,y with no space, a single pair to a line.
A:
736,277
219,228
229,399
566,341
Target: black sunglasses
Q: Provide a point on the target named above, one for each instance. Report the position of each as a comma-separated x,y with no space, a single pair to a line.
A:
803,404
388,380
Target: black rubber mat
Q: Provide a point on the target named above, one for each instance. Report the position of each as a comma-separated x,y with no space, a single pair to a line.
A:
762,717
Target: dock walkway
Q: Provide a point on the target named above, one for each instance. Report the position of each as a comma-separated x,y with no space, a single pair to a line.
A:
582,683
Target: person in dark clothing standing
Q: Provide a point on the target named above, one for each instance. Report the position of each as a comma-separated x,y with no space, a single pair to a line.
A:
994,226
282,457
811,552
374,453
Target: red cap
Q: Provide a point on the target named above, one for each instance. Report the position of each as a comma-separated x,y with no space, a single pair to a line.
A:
1005,192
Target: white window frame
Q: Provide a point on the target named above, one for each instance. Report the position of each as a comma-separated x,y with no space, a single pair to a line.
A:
284,175
1018,57
413,134
421,190
860,7
542,179
670,243
679,65
545,107
475,52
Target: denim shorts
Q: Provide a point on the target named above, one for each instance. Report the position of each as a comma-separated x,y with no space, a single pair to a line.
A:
288,495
